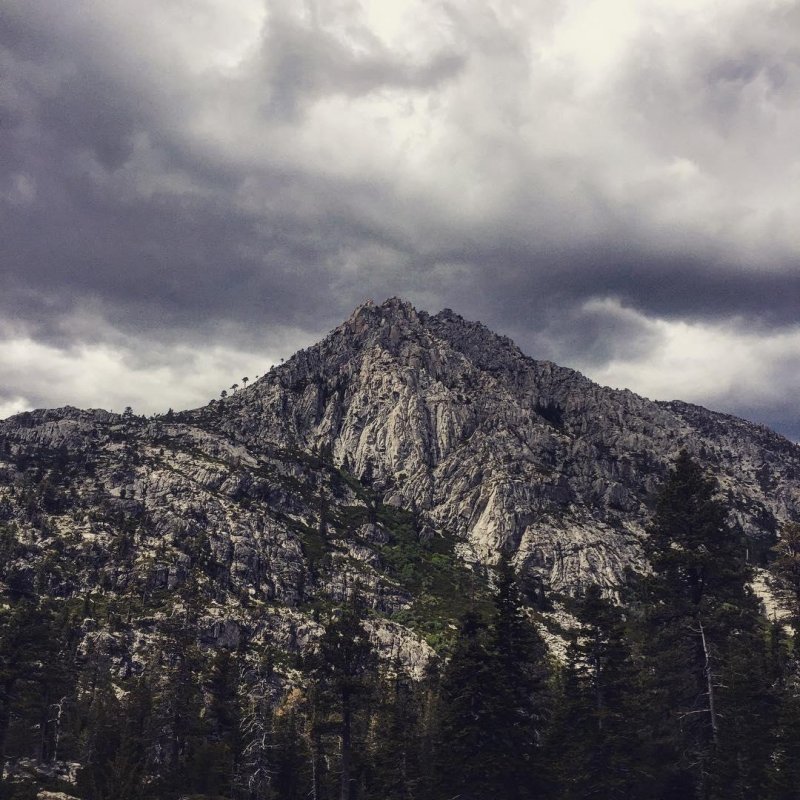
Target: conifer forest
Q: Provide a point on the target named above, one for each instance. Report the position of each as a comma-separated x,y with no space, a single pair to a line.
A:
679,687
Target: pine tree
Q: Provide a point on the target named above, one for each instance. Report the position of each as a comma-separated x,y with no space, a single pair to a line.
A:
703,641
464,739
345,671
220,746
784,768
595,747
786,568
519,710
395,768
178,712
785,669
23,636
36,678
495,702
119,734
293,777
430,703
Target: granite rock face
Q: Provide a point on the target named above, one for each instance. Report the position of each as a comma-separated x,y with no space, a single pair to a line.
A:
395,459
505,452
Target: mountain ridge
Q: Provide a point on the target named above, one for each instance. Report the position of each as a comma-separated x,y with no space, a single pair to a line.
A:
502,451
419,396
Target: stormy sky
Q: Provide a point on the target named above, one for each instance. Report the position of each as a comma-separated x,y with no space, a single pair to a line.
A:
193,189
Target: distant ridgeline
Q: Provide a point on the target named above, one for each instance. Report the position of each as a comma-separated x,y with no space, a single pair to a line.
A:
410,562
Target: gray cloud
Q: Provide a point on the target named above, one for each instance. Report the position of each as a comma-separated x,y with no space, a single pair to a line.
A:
300,63
586,178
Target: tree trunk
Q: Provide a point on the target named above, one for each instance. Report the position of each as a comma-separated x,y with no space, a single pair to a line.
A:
5,720
315,752
710,684
346,747
598,688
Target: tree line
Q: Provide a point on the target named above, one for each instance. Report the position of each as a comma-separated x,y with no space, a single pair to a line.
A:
682,690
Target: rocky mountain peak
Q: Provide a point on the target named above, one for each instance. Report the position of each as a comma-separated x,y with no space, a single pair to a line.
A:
491,448
502,451
370,315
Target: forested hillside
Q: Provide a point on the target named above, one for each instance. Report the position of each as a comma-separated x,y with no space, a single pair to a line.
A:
685,690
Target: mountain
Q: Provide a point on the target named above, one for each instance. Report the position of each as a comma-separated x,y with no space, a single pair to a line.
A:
501,451
492,450
396,462
403,453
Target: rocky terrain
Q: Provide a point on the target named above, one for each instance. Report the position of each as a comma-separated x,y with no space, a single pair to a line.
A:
501,451
399,458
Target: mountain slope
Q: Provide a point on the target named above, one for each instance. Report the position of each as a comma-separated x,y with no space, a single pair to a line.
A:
153,520
502,451
395,458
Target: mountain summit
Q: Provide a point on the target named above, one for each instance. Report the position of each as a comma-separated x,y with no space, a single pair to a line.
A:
503,452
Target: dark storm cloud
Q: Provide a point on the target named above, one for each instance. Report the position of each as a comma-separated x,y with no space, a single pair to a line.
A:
170,258
679,286
175,173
